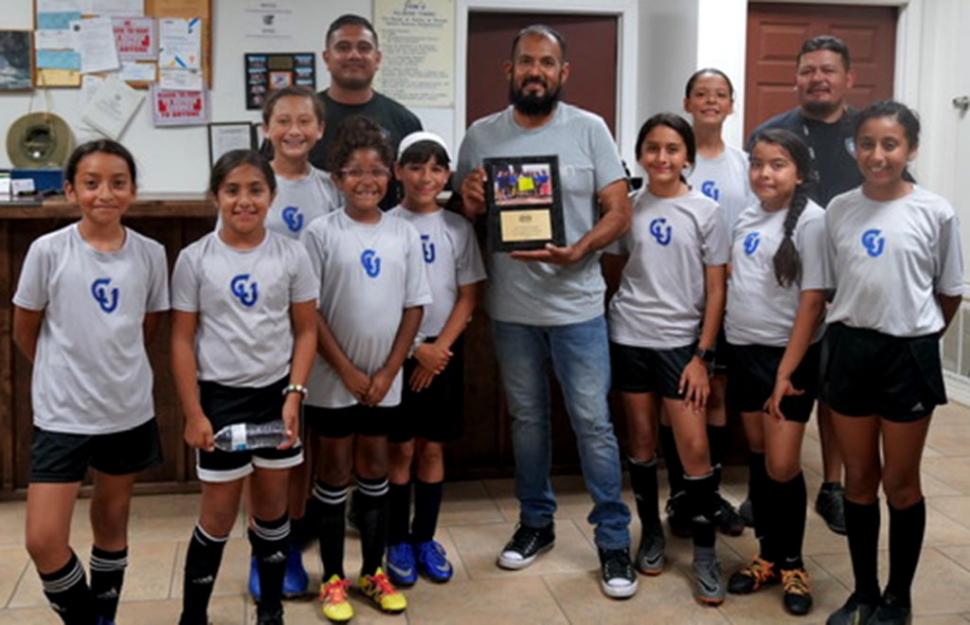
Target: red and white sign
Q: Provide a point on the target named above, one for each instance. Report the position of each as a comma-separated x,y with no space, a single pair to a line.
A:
135,38
179,108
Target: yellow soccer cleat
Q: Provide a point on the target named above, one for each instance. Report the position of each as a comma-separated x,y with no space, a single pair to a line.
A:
379,589
333,596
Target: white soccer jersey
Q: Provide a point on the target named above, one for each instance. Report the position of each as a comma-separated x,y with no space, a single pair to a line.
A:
91,371
298,202
243,297
660,302
760,311
451,255
369,273
724,179
889,260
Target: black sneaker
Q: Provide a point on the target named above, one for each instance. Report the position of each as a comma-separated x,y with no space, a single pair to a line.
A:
650,555
269,618
526,544
830,504
797,595
757,575
727,518
890,612
855,612
746,510
678,519
618,580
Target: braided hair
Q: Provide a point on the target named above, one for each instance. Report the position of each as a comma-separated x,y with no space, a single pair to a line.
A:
787,261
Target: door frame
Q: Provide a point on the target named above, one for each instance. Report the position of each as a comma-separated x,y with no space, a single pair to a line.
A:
626,11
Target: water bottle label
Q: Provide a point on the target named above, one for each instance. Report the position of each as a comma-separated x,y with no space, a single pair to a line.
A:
238,432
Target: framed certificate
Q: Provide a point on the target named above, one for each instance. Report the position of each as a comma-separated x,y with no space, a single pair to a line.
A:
226,136
524,203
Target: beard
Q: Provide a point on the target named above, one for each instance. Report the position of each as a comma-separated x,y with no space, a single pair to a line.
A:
533,105
820,109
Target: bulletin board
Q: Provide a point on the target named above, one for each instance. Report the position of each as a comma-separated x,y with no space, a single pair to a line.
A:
64,74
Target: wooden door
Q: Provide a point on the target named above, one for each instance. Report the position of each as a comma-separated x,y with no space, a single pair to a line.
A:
591,50
776,33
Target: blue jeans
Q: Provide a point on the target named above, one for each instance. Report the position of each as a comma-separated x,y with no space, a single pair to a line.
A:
581,362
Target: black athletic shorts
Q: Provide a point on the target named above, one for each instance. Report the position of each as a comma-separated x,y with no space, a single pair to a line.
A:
865,372
645,370
437,413
751,380
227,405
355,419
64,458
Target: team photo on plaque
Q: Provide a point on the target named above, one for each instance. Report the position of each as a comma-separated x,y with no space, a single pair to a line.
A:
524,203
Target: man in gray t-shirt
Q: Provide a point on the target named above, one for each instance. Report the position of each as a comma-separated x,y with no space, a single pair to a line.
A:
548,304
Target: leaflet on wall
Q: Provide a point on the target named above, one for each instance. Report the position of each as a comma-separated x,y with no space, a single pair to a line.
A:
135,38
112,107
268,19
96,43
179,108
115,7
180,80
180,43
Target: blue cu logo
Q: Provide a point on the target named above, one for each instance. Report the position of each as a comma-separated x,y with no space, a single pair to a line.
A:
709,188
660,231
292,218
751,243
238,287
99,289
371,263
874,244
427,247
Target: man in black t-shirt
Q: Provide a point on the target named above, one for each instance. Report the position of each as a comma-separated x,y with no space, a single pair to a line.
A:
352,57
823,119
827,124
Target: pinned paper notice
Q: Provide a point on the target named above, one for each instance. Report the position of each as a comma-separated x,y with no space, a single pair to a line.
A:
180,43
96,42
112,107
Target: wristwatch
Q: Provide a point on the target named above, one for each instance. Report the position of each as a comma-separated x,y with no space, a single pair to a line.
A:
707,355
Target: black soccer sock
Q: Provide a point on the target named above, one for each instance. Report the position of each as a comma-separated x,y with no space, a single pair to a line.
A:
398,513
717,439
791,506
270,541
67,591
370,501
643,480
330,504
862,528
906,530
701,503
757,482
427,505
107,577
675,469
201,567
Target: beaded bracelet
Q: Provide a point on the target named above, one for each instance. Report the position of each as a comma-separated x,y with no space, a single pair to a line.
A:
295,388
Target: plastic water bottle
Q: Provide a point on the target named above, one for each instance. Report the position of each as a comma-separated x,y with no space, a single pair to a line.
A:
244,436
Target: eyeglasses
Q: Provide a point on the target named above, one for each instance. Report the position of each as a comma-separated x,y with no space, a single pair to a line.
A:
358,174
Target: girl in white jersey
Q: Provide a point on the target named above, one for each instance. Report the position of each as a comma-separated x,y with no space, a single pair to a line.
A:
293,124
89,298
721,173
434,386
663,323
898,275
243,338
775,302
373,286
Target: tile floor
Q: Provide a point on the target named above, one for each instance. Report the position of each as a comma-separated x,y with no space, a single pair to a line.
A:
561,587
